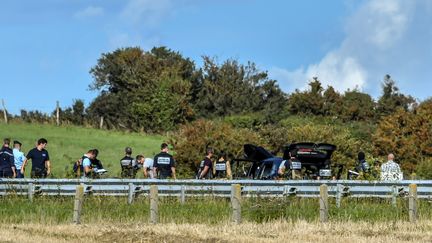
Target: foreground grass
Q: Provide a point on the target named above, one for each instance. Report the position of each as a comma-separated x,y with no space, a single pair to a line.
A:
57,210
275,231
66,144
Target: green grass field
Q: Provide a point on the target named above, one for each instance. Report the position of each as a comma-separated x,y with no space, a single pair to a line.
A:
66,144
200,210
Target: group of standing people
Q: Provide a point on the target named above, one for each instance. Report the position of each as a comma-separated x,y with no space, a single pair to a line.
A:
13,162
220,169
161,167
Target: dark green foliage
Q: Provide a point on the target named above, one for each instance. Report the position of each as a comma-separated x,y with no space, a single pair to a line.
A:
253,121
357,106
140,90
310,102
391,99
233,88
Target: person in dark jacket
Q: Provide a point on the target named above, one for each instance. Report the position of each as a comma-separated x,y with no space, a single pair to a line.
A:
127,164
7,162
206,166
164,164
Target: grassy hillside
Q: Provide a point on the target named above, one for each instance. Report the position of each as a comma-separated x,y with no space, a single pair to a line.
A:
67,144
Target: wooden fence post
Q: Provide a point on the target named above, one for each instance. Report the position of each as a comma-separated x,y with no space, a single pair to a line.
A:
4,112
412,203
79,197
338,195
394,196
153,204
236,202
323,203
101,122
30,192
131,194
182,195
58,113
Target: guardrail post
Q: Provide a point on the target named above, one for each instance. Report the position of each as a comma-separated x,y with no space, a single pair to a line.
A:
182,195
236,202
412,203
338,195
323,203
131,193
153,204
30,192
394,196
79,197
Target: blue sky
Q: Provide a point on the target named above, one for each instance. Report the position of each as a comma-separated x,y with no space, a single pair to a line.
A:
48,46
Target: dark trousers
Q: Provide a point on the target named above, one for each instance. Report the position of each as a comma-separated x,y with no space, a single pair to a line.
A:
6,173
38,173
19,174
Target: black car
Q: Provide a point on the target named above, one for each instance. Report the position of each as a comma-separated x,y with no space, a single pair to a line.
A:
311,160
257,164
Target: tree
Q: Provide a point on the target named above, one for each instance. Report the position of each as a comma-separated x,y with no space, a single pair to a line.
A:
332,102
391,99
309,102
141,90
357,106
233,88
406,134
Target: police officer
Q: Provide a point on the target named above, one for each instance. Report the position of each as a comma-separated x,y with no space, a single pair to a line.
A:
206,166
127,164
7,162
41,165
164,164
222,168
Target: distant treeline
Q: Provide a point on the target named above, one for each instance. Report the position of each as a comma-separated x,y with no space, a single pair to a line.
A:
158,90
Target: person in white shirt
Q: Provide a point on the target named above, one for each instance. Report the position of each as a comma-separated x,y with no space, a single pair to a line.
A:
390,171
146,164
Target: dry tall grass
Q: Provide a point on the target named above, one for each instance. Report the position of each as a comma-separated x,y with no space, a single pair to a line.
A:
300,231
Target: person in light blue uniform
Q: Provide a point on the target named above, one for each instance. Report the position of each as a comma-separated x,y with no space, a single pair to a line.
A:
19,158
86,163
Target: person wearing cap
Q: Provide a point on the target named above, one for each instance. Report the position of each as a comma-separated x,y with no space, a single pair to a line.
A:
164,164
127,164
7,165
19,158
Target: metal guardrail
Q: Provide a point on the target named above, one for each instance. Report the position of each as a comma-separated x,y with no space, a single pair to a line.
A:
218,188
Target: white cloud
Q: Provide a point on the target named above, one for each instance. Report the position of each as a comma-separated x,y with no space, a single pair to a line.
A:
138,23
148,12
90,11
378,40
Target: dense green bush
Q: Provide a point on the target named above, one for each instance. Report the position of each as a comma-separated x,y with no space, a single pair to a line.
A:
253,121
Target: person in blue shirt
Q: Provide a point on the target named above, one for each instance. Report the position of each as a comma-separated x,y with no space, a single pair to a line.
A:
86,162
19,158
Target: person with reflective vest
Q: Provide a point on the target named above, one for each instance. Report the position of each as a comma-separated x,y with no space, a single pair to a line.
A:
7,162
127,164
206,166
164,164
222,168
